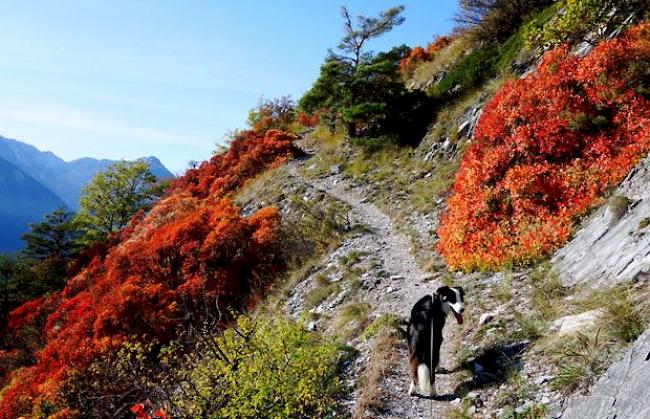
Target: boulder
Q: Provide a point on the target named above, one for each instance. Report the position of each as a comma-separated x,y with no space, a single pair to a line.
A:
570,324
487,318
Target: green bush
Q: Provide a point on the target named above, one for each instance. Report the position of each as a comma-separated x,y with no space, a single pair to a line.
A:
264,368
471,71
369,100
488,61
494,20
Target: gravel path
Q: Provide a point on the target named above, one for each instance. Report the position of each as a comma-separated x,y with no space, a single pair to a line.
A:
395,293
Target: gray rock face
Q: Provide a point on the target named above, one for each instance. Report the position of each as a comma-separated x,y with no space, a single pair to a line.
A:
623,392
605,251
466,124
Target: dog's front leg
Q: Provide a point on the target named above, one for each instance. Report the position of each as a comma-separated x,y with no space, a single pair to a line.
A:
433,384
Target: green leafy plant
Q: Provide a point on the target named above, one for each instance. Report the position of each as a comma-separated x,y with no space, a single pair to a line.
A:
578,21
270,368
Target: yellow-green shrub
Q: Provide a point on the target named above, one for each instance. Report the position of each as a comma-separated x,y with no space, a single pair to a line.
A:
270,368
577,19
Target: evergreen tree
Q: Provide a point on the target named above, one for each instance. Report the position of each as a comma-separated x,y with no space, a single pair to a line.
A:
355,38
57,236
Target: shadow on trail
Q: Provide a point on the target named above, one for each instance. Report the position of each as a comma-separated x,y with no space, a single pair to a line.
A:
492,366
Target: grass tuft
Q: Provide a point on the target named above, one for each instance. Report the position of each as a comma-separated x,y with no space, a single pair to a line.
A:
388,322
383,357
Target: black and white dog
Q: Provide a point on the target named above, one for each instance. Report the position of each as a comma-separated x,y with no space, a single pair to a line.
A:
424,334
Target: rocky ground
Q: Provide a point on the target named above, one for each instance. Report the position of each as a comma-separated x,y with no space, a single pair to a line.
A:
535,342
390,283
499,364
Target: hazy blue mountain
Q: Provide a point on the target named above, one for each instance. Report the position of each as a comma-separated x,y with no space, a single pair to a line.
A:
66,179
34,182
22,200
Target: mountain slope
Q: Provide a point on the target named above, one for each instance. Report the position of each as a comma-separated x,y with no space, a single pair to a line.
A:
22,200
66,179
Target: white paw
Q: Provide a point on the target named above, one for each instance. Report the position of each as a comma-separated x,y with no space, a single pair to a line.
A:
412,391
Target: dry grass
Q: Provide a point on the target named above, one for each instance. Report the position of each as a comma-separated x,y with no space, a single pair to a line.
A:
265,187
582,357
383,357
503,291
618,205
425,192
547,294
625,310
386,323
351,319
443,60
321,293
324,139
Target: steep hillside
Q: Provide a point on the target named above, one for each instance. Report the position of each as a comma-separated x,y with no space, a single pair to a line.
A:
277,278
527,348
22,200
168,269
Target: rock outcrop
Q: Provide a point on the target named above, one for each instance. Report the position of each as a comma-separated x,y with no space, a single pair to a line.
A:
607,250
623,392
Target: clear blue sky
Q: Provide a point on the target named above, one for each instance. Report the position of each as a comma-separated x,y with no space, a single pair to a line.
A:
129,78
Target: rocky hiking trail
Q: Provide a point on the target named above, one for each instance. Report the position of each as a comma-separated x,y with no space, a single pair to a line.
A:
392,290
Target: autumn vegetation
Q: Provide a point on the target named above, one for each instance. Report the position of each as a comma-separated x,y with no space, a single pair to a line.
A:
191,254
363,92
546,148
418,55
146,307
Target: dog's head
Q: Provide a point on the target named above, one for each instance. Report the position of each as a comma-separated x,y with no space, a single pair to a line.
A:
452,299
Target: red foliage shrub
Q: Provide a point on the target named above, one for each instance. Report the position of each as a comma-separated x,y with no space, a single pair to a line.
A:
545,149
438,44
141,412
418,55
249,153
307,120
193,247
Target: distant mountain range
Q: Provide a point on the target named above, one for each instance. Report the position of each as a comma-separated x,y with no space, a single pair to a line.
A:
34,182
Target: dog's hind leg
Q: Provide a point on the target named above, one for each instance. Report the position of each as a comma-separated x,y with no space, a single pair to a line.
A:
413,369
412,391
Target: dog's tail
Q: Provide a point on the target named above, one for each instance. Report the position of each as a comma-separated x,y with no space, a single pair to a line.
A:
424,379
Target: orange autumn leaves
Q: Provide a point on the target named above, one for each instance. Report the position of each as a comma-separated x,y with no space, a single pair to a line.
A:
193,247
418,55
546,148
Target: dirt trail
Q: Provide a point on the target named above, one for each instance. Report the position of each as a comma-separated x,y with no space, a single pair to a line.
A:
395,294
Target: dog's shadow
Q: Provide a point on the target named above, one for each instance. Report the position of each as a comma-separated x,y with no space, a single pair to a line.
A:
492,366
438,397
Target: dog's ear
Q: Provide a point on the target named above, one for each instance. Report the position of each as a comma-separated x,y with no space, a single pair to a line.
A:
443,292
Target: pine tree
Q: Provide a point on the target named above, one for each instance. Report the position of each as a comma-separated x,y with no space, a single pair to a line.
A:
57,236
